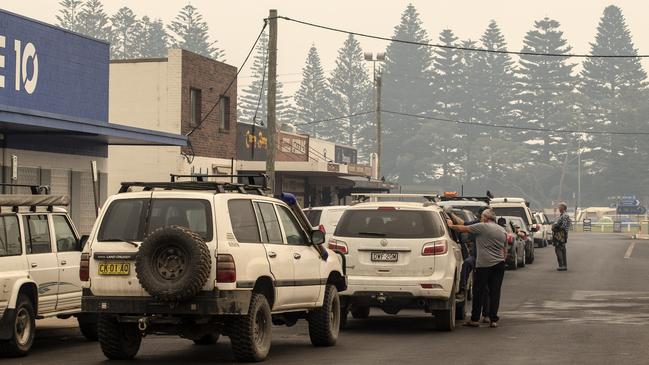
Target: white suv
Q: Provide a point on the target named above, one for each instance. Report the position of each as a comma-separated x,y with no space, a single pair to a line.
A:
39,269
325,218
518,207
400,255
201,259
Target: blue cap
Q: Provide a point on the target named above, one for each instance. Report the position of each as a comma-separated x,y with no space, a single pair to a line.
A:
288,198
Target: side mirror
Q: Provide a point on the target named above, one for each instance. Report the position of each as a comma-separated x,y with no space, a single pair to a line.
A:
83,241
317,237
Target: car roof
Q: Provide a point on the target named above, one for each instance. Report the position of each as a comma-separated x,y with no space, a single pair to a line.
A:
188,194
328,207
407,205
462,203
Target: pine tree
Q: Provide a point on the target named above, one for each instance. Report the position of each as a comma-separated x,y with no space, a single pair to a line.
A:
615,92
312,99
124,39
69,14
191,33
153,39
352,93
544,89
407,79
253,105
93,20
447,97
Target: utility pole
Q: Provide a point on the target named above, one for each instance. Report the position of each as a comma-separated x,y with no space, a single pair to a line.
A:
272,93
377,116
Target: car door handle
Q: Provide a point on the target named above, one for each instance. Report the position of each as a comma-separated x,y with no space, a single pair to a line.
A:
64,262
34,265
272,254
297,256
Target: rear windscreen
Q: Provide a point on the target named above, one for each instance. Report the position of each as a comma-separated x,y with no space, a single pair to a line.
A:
511,212
390,224
134,219
313,216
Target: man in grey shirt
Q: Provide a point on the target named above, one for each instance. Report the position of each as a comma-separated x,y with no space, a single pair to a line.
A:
490,264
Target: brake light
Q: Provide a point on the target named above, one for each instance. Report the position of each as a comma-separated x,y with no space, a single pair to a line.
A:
322,229
434,248
337,246
226,271
84,267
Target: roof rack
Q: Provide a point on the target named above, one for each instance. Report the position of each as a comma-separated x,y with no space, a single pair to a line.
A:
35,189
485,199
431,197
200,183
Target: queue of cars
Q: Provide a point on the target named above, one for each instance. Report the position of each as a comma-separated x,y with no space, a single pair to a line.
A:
200,260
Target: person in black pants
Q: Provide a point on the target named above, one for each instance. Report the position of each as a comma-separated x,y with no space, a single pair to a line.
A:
490,265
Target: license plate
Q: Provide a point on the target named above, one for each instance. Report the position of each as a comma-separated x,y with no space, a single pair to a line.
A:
385,256
115,268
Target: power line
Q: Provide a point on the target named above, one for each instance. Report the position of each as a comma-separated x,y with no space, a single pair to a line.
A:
231,81
488,125
334,119
458,48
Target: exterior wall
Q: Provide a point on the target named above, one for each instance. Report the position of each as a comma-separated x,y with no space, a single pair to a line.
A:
154,94
212,78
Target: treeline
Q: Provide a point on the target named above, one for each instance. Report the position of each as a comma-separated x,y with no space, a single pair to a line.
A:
489,120
132,37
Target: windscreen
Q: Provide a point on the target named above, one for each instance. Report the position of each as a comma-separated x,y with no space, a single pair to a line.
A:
134,219
313,215
390,224
510,212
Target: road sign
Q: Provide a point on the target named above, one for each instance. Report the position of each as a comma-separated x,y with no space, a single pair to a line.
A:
629,203
631,210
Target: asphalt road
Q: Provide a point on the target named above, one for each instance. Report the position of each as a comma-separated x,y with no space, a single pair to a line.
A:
595,313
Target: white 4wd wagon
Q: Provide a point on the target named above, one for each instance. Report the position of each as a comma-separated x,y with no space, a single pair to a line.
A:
200,259
39,268
400,255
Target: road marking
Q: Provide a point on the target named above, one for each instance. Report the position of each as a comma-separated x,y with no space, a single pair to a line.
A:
629,250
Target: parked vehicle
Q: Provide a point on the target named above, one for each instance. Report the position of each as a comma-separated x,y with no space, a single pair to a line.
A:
528,240
544,235
515,257
40,251
400,255
474,204
204,259
518,207
325,218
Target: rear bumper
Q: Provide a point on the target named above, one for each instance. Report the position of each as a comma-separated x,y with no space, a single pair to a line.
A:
405,287
224,302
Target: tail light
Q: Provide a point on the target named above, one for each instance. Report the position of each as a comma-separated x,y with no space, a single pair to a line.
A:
434,248
84,267
338,246
322,229
226,271
510,239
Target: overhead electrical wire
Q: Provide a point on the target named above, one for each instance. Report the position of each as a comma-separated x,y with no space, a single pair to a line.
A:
458,48
334,119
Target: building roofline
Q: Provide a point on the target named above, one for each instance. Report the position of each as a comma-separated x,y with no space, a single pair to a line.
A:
140,60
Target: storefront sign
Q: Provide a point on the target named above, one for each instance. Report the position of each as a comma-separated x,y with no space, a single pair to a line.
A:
346,155
44,69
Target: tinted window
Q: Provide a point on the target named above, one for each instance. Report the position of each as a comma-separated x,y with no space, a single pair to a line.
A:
126,219
270,224
37,234
471,208
292,230
66,241
390,224
10,236
313,216
194,214
511,212
243,220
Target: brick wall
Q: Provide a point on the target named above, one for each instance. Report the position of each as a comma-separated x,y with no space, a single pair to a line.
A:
212,78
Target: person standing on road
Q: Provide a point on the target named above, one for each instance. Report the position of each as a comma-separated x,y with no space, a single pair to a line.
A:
560,237
489,267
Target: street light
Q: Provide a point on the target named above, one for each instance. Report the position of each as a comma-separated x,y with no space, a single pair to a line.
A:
376,57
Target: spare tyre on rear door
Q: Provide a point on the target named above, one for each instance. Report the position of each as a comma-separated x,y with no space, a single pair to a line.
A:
173,264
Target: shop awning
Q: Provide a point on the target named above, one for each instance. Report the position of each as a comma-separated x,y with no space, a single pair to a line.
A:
22,122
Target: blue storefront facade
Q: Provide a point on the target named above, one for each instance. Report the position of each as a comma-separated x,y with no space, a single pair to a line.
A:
54,118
